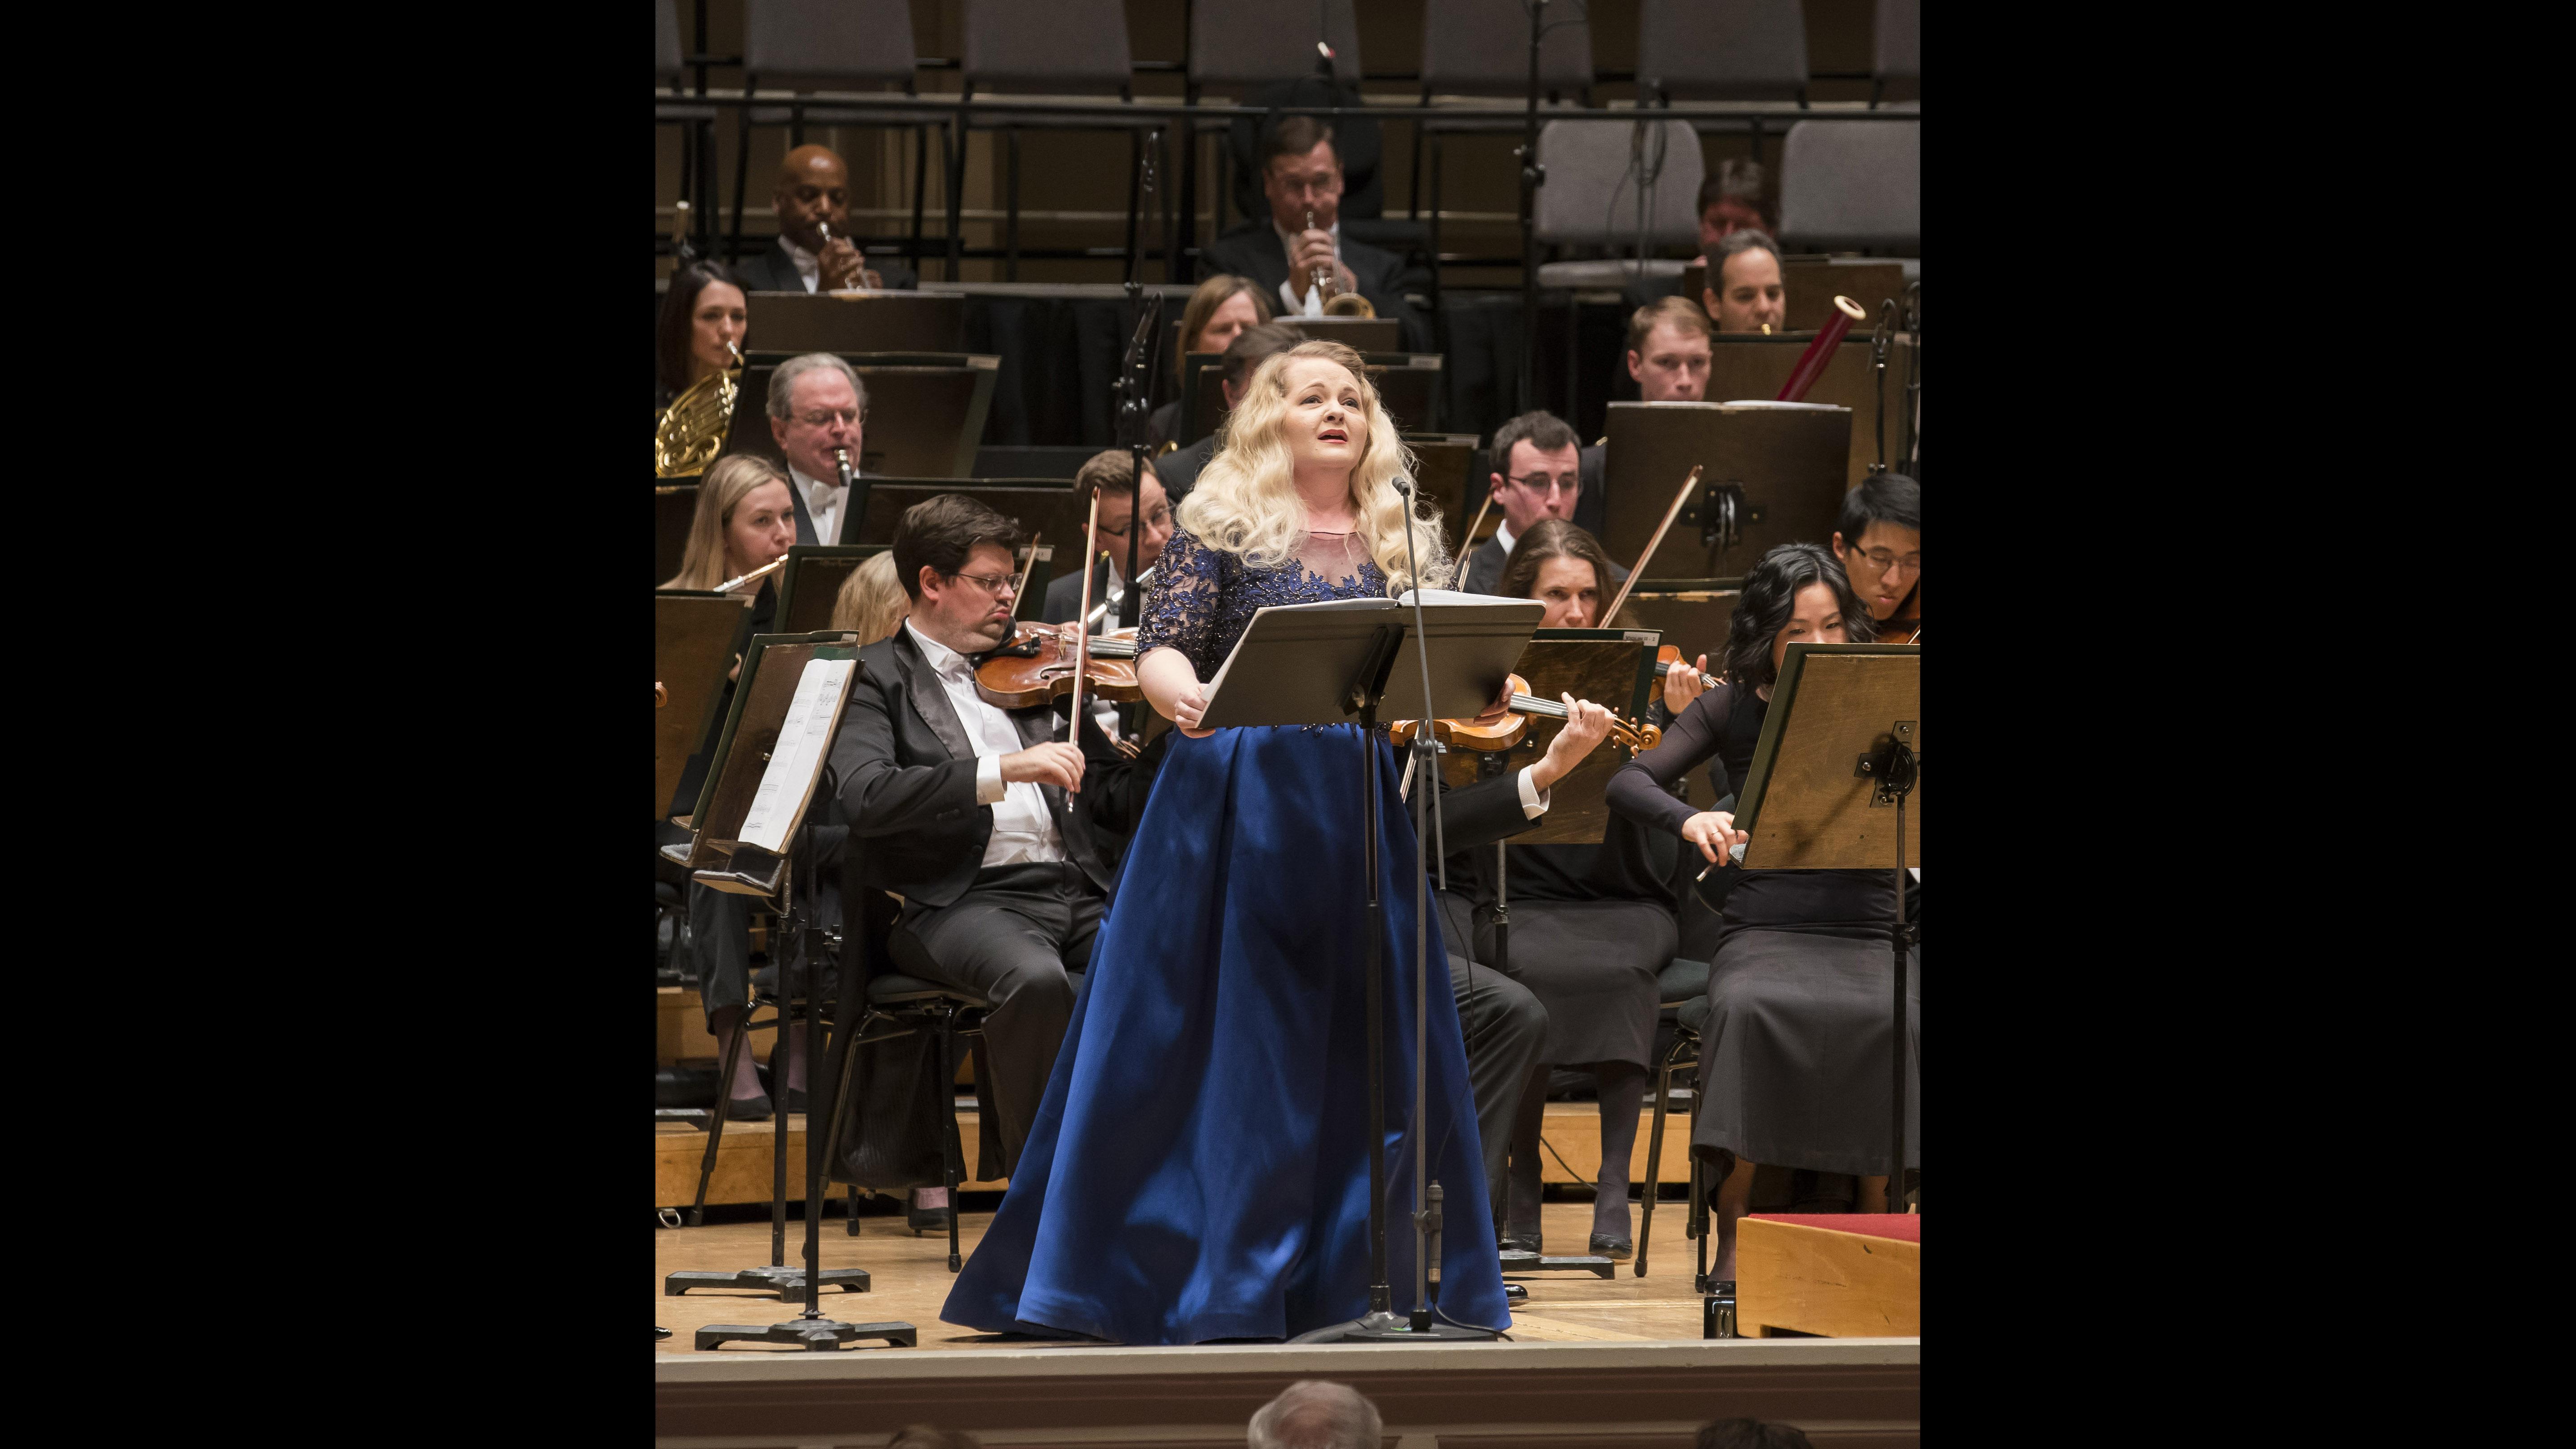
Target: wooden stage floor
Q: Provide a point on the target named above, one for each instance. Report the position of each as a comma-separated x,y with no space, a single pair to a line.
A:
910,1281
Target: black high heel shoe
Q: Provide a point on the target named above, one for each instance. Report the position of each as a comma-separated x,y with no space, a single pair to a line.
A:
1617,1250
924,1219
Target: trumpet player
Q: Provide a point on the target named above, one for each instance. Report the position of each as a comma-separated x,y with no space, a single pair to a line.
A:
814,251
1301,174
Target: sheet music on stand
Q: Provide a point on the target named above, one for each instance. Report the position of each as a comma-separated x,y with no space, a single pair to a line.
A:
796,761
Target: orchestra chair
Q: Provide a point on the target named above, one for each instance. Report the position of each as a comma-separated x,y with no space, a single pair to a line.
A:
1479,49
785,1016
697,123
1597,171
1683,990
1896,59
805,46
1262,55
1722,50
1051,47
899,1005
1853,185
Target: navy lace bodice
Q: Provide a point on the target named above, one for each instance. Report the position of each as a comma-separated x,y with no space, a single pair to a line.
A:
1203,598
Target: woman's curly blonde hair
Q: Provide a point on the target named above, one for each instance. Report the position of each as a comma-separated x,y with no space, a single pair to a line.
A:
1245,501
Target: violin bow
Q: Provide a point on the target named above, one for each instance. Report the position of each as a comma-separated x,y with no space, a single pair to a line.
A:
1467,540
1020,590
1081,629
1681,496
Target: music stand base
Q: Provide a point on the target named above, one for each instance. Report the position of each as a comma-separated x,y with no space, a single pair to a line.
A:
1599,1267
1393,1328
821,1335
785,1282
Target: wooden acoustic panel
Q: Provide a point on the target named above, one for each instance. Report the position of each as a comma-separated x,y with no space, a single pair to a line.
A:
854,322
1788,460
1440,466
1810,1279
694,638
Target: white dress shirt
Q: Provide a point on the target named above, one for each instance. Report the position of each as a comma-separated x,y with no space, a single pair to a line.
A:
1306,302
1502,534
808,265
824,501
1023,831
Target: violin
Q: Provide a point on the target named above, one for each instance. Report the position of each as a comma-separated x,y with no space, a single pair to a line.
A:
1899,631
1507,731
1037,666
1669,658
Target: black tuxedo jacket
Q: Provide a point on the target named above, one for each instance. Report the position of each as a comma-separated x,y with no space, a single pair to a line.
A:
1252,250
1485,567
907,783
1064,596
1178,470
774,271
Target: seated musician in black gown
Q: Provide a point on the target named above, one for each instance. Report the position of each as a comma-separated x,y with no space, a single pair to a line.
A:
1795,1051
970,812
1592,926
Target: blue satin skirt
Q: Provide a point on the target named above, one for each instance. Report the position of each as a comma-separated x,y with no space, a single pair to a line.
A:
1198,1169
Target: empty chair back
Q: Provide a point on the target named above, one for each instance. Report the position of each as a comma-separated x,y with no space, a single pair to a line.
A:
1852,184
1057,45
1248,42
1899,44
827,44
1481,47
666,42
1721,50
1599,171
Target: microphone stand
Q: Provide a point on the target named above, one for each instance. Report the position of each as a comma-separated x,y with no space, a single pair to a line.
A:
1379,1324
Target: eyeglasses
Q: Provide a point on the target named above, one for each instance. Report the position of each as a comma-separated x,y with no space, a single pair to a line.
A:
827,418
995,584
1543,484
1879,561
1155,519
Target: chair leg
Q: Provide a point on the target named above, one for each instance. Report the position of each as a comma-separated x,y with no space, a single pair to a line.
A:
715,1129
952,1151
1654,1161
778,1134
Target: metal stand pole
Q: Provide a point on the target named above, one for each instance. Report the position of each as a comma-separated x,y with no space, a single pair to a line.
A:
1533,176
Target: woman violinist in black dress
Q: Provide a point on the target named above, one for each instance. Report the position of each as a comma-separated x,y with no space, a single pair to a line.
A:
1592,925
1794,1054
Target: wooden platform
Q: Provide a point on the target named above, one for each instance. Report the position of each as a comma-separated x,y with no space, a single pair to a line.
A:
1571,1134
1807,1278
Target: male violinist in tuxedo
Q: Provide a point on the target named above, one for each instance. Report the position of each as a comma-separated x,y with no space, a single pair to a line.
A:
814,193
977,816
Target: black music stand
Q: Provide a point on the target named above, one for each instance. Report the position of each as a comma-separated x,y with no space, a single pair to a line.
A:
1772,473
1315,664
752,733
787,789
1827,790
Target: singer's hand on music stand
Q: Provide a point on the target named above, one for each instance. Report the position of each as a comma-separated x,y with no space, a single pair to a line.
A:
1188,710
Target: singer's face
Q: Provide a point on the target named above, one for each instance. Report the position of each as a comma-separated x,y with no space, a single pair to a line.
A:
1674,366
1571,591
1748,294
1327,421
762,527
822,414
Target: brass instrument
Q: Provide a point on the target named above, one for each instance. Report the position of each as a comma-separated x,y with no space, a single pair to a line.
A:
692,429
1337,303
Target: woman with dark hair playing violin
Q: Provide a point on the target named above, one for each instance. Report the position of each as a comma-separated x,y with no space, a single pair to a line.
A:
1793,1069
1592,926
